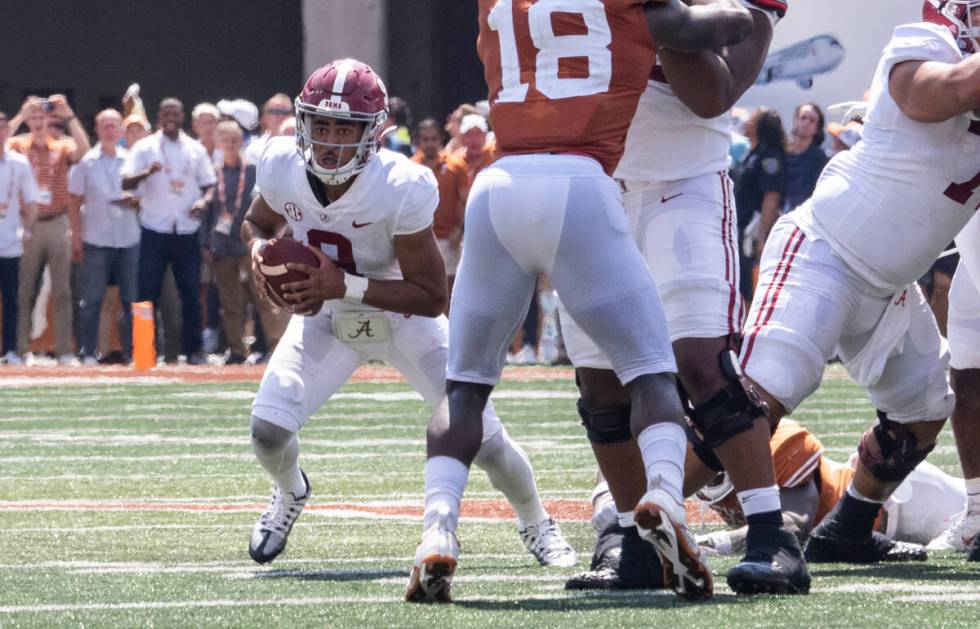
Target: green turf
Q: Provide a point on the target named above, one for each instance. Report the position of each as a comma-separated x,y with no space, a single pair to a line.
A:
167,444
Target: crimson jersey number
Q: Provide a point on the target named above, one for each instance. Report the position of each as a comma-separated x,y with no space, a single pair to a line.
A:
966,193
339,248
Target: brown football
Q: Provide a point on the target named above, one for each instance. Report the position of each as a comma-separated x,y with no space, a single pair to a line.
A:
275,254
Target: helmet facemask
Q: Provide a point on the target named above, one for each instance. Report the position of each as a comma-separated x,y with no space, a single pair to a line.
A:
367,145
960,13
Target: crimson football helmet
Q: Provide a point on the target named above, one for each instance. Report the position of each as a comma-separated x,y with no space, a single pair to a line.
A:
347,90
955,15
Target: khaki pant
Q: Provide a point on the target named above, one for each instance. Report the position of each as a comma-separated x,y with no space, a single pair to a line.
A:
235,290
51,245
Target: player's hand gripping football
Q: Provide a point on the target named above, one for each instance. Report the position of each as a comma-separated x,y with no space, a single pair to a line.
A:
324,282
260,281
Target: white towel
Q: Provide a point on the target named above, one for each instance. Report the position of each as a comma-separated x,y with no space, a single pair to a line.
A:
887,340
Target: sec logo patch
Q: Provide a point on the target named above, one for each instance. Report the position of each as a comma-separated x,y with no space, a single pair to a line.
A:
293,211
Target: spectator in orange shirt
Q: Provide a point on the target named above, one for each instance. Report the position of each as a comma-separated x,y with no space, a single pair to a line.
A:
57,237
454,182
476,152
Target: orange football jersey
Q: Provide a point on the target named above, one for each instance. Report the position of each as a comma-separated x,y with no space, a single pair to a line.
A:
564,77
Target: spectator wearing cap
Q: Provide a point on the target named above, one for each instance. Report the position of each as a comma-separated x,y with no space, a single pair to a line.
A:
18,206
204,118
56,237
453,121
397,136
805,157
475,151
242,111
110,234
222,225
453,182
174,179
276,111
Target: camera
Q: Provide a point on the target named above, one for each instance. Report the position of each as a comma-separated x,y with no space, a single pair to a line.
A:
46,106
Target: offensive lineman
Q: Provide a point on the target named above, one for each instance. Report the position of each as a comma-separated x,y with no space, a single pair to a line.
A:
681,208
367,215
837,274
564,79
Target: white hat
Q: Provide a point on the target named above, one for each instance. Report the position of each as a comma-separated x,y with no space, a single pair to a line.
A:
473,121
244,112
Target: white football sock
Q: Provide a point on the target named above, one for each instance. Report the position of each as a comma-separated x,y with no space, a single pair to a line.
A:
759,500
626,518
282,464
663,447
509,471
973,495
445,480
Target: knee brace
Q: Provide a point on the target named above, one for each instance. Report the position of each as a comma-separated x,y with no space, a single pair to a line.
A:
732,410
891,455
610,424
701,449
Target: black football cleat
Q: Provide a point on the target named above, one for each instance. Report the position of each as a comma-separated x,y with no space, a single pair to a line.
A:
622,561
773,564
973,554
827,545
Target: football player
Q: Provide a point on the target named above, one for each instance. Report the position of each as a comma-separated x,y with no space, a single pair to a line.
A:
564,80
681,208
810,485
964,360
367,216
838,273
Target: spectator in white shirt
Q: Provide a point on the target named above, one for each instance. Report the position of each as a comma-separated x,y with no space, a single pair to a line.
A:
204,118
175,180
18,198
274,112
110,234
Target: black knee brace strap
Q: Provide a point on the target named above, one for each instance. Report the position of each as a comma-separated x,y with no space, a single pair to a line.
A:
898,454
701,449
610,424
732,410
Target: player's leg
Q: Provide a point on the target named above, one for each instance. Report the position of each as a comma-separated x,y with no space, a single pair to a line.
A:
607,290
419,350
913,399
308,366
964,348
490,298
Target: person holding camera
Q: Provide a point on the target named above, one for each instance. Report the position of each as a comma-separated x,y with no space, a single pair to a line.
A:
57,236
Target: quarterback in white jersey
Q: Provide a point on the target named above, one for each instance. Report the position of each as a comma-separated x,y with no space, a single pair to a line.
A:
367,216
964,360
680,204
838,274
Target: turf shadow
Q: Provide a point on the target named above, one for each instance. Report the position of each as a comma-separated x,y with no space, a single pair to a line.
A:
647,599
904,570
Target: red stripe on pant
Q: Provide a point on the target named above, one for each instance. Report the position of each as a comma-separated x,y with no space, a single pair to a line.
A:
772,292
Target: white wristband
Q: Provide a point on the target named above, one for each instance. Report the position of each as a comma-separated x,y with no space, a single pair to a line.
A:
257,244
356,287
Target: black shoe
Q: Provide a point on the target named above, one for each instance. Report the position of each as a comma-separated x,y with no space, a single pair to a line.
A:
622,561
773,564
826,545
973,554
197,358
235,359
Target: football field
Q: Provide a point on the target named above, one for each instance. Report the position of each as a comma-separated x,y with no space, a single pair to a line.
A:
129,503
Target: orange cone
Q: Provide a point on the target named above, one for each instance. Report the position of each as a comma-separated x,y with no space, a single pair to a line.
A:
144,353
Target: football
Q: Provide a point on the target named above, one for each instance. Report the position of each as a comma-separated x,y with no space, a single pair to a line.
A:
275,254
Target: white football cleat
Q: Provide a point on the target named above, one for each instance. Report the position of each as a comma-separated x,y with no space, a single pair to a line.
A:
545,541
435,564
963,529
270,533
662,521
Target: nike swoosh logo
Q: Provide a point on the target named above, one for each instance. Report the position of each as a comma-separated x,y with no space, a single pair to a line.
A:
673,196
357,225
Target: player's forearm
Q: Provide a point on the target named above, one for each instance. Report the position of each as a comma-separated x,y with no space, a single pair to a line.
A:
690,29
935,92
405,297
251,232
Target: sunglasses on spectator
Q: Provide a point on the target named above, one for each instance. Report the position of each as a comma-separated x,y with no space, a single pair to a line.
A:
279,112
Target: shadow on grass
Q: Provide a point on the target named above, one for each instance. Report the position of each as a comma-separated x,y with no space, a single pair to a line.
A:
644,599
332,575
902,570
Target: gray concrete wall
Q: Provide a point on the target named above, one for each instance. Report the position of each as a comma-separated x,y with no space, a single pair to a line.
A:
343,28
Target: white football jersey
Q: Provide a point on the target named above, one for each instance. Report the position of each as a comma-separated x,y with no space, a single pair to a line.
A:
891,204
666,141
392,196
